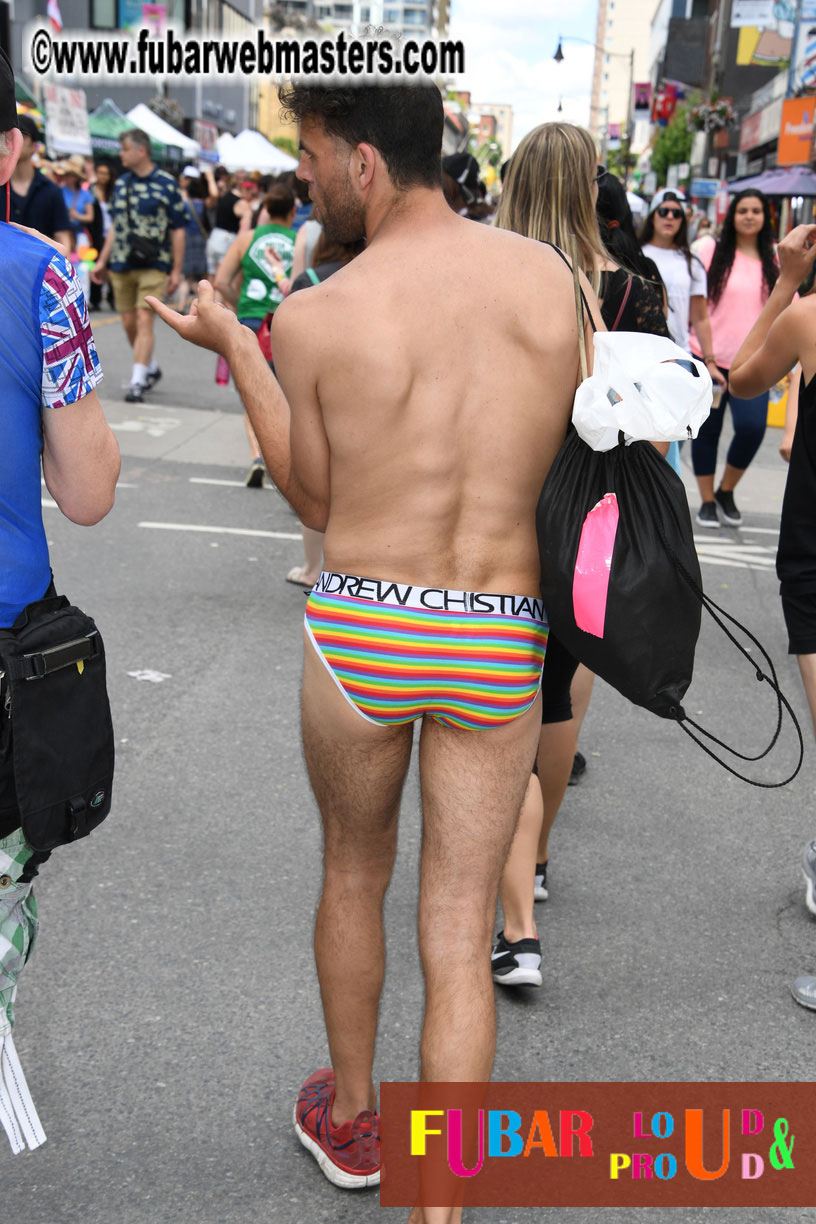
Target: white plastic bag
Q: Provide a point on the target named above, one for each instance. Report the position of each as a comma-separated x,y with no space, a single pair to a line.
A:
646,386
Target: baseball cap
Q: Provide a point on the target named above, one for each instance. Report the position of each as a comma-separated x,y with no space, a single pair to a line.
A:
667,193
191,172
29,128
8,104
464,168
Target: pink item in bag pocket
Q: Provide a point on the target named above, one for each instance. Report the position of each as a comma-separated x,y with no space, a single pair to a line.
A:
590,580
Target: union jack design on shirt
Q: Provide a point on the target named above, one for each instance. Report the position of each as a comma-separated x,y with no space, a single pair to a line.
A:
70,361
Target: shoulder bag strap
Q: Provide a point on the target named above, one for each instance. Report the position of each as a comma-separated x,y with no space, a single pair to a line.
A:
196,218
580,302
568,262
127,205
614,326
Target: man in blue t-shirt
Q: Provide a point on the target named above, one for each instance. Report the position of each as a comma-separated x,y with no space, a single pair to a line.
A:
52,427
144,251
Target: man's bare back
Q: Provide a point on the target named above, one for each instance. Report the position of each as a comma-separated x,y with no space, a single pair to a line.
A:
444,361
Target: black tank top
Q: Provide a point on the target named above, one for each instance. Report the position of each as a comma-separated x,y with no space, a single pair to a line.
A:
796,558
225,217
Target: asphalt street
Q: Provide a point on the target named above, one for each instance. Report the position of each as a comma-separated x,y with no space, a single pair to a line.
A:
171,1011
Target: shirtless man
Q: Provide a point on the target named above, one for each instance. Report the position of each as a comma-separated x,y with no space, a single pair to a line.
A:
426,388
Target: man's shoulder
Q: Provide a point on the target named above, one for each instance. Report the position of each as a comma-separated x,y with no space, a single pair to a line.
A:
517,248
164,181
23,242
310,317
44,186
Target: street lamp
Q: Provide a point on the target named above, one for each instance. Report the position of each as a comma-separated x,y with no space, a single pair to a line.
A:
630,55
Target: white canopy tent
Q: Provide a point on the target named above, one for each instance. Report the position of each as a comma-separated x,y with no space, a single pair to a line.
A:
249,150
143,117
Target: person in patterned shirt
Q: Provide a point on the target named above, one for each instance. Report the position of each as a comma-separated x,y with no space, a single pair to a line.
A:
146,204
52,426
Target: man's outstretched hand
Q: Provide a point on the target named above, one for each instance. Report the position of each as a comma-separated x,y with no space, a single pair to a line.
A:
209,324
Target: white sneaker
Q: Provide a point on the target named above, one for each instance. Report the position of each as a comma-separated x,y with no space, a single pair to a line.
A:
809,872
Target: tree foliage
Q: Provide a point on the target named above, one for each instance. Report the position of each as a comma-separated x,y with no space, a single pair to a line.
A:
287,145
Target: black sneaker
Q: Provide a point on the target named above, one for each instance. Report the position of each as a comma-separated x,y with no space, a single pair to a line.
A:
578,769
727,508
516,964
707,515
540,888
255,475
135,394
153,377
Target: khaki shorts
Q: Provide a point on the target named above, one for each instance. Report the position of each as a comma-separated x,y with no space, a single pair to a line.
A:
130,288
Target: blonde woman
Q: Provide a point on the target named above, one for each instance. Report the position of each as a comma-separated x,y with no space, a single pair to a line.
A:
550,193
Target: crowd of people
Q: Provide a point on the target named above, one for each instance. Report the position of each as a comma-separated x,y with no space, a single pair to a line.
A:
436,459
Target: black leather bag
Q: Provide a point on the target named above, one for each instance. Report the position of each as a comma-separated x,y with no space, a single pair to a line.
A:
54,707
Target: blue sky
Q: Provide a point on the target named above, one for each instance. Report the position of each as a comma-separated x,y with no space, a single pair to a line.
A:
509,47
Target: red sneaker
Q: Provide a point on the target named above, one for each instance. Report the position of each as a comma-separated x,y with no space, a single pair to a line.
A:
349,1155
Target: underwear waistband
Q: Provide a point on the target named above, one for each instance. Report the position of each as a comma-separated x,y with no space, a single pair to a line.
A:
429,599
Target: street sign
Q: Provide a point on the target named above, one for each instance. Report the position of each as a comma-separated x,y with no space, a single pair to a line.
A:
706,187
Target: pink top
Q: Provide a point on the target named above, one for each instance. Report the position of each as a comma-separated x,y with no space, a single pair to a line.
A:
739,306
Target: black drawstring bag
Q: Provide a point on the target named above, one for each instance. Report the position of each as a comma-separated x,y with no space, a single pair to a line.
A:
652,614
54,706
654,597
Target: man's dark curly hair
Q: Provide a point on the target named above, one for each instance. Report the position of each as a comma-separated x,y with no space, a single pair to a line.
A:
403,122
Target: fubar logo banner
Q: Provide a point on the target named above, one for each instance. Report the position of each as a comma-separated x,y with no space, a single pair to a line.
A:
597,1145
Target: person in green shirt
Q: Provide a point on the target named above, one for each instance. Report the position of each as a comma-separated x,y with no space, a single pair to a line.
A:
253,278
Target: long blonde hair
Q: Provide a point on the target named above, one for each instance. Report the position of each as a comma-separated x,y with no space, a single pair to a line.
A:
548,193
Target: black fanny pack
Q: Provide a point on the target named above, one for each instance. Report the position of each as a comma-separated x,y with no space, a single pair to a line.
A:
54,707
143,251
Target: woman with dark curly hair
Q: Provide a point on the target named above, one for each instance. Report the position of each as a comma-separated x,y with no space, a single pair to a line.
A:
742,270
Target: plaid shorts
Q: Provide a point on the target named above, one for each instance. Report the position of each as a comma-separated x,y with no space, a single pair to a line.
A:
18,921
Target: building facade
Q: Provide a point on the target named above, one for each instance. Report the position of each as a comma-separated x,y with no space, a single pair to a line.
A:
502,115
622,35
415,18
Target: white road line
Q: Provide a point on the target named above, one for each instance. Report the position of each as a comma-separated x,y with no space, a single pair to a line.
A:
749,550
239,531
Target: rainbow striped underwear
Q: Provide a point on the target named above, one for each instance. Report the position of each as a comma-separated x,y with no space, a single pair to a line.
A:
467,659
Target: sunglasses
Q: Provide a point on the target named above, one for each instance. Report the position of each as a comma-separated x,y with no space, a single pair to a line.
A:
675,213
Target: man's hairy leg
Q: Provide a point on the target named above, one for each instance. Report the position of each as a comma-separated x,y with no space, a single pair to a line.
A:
357,770
473,784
